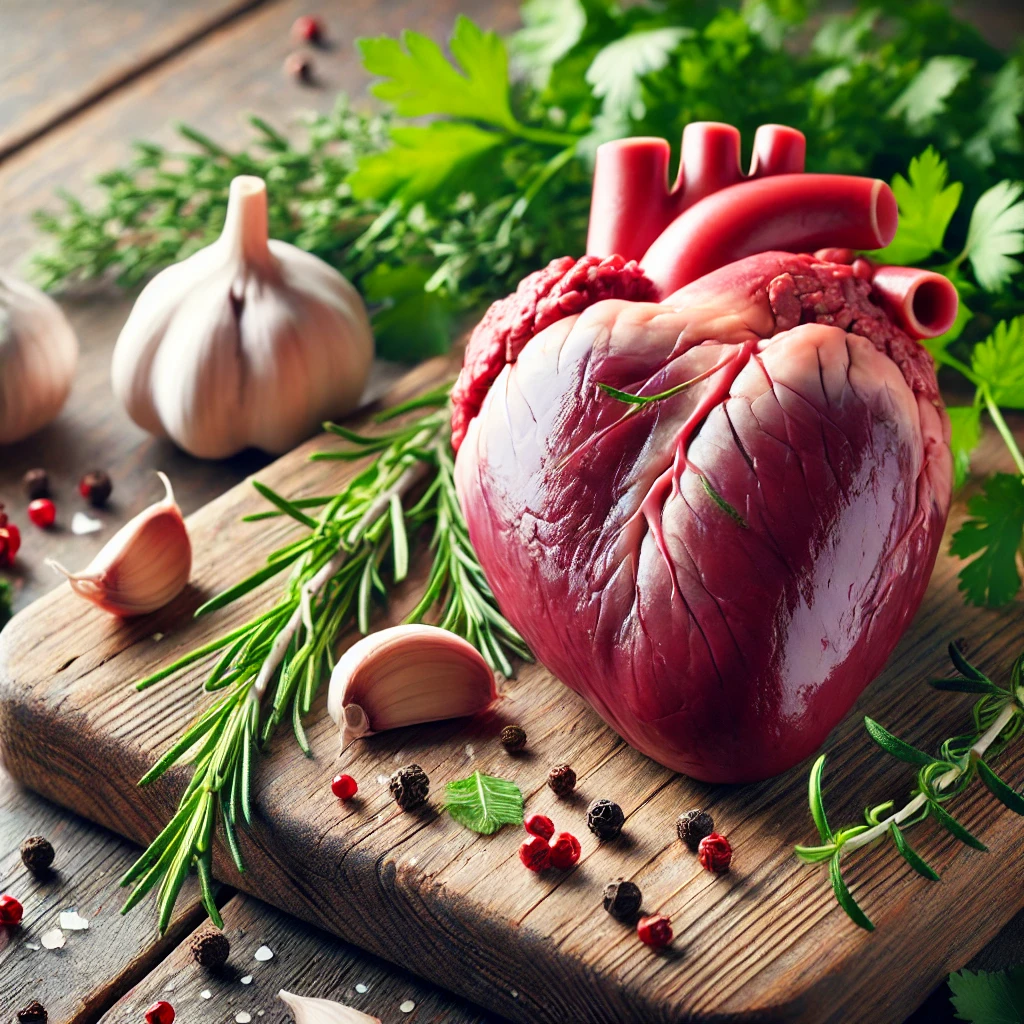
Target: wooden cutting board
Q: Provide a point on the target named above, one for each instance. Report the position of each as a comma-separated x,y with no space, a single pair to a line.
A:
765,942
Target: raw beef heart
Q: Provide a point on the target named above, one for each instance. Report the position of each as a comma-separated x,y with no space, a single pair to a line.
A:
722,572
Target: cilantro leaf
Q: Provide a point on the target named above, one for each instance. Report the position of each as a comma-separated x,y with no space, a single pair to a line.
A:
616,72
965,421
484,803
421,159
998,361
420,80
924,99
988,997
411,323
993,534
551,28
926,205
996,235
1001,111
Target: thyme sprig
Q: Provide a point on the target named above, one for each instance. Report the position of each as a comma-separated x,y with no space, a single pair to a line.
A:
355,549
998,718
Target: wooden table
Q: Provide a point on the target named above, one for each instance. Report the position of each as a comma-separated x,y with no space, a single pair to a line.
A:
78,81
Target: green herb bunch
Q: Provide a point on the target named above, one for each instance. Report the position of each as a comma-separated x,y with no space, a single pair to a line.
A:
269,669
998,718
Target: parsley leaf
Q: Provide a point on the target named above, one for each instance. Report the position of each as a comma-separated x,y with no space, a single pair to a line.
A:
993,534
998,361
551,28
926,205
965,422
996,235
419,79
411,323
421,159
989,997
924,99
618,69
1001,112
484,803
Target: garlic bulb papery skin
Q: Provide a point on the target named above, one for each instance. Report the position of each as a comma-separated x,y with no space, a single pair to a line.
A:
38,357
407,675
307,1010
248,342
142,567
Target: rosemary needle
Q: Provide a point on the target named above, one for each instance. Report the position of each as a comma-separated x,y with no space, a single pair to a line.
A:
269,669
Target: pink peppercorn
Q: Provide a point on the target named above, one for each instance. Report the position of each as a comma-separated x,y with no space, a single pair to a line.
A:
655,931
539,825
307,29
535,853
11,911
565,851
160,1013
714,852
42,512
344,787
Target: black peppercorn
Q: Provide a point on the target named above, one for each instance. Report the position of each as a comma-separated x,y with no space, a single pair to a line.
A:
37,854
693,826
562,780
34,1013
622,899
410,787
211,949
36,483
605,819
96,488
513,738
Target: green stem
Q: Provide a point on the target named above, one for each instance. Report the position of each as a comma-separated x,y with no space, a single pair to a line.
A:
1004,430
543,136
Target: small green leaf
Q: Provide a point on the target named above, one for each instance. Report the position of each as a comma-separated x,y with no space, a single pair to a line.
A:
484,803
996,234
998,361
910,856
816,802
401,541
1000,790
721,502
964,667
988,997
958,685
846,900
965,424
815,854
894,745
924,99
953,827
551,28
993,533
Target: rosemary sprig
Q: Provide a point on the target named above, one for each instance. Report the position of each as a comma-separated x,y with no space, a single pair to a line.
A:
998,718
270,669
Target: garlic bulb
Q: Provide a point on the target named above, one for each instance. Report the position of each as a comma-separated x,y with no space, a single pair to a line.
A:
38,356
407,675
248,342
307,1010
143,566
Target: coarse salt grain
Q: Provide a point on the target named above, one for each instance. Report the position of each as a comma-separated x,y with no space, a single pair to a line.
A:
53,939
469,751
157,637
72,921
169,987
82,524
206,994
247,980
242,1017
383,780
32,945
408,1006
361,988
263,953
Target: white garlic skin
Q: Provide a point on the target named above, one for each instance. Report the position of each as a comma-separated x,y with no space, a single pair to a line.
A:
307,1010
248,342
144,566
38,357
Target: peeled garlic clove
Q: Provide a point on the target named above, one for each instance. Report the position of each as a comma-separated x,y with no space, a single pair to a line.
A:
143,566
407,675
306,1010
38,356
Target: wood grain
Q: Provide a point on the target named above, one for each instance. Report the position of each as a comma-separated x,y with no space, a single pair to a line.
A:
95,967
234,71
306,961
765,941
59,58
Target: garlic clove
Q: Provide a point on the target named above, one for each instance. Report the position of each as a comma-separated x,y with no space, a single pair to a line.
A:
307,1010
143,566
407,675
38,356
